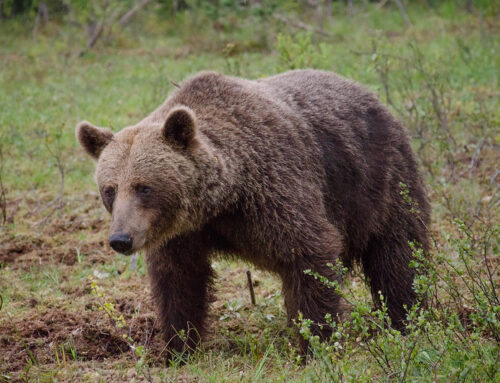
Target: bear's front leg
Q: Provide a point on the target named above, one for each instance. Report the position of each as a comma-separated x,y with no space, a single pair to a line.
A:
181,278
309,296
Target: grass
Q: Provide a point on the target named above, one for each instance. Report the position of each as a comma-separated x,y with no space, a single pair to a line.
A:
439,77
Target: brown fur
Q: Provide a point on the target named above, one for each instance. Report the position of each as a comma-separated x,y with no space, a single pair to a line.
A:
290,173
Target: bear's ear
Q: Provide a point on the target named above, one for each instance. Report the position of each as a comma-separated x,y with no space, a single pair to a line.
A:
180,126
92,138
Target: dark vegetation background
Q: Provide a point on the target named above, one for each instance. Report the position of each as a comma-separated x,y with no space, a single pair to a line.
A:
71,310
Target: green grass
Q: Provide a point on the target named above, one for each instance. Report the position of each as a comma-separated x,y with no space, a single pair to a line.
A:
45,89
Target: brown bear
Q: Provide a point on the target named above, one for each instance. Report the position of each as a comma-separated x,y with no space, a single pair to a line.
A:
290,172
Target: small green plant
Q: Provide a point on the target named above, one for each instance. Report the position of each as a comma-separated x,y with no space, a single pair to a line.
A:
79,255
458,326
120,324
297,51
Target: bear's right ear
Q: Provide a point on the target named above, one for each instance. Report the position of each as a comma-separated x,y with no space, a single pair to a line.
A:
92,138
180,126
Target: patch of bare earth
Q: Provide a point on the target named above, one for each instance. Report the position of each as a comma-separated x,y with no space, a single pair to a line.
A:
47,331
59,240
43,337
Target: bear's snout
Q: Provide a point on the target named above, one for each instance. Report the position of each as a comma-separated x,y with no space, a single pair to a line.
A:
121,243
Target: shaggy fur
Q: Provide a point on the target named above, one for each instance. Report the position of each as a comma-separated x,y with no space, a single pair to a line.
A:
290,173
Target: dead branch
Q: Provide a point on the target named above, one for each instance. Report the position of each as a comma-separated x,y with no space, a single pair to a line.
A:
403,12
43,14
475,157
106,23
312,3
57,203
250,287
379,5
3,197
301,25
125,19
173,83
96,33
350,7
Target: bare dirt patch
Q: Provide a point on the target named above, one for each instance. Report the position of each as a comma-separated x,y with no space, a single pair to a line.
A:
61,236
22,252
44,337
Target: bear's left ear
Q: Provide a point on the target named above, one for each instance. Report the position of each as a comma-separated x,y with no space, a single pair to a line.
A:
180,126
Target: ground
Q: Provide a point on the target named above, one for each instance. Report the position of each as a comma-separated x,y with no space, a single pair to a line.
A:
72,310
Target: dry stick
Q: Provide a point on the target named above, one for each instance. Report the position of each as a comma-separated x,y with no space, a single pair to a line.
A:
250,287
475,157
130,14
95,36
312,3
43,13
58,200
350,7
98,30
173,82
300,24
407,362
381,4
35,28
3,198
403,12
3,203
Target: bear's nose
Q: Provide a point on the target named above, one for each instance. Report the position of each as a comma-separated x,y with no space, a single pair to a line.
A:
121,242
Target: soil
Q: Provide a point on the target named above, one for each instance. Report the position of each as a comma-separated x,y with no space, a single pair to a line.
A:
53,331
56,334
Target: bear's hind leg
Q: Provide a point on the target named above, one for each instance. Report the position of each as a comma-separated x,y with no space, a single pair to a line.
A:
181,278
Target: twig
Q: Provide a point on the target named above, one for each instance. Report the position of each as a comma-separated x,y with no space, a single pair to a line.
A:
58,200
250,287
403,12
124,20
312,3
43,13
350,7
475,157
407,362
94,37
494,177
381,4
173,82
3,198
435,366
106,23
300,24
95,34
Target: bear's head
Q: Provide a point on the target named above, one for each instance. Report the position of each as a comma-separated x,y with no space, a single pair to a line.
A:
151,176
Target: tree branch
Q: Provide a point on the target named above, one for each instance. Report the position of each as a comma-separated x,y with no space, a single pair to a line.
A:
125,19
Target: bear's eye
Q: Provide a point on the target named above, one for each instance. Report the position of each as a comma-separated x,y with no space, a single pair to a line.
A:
109,197
143,190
